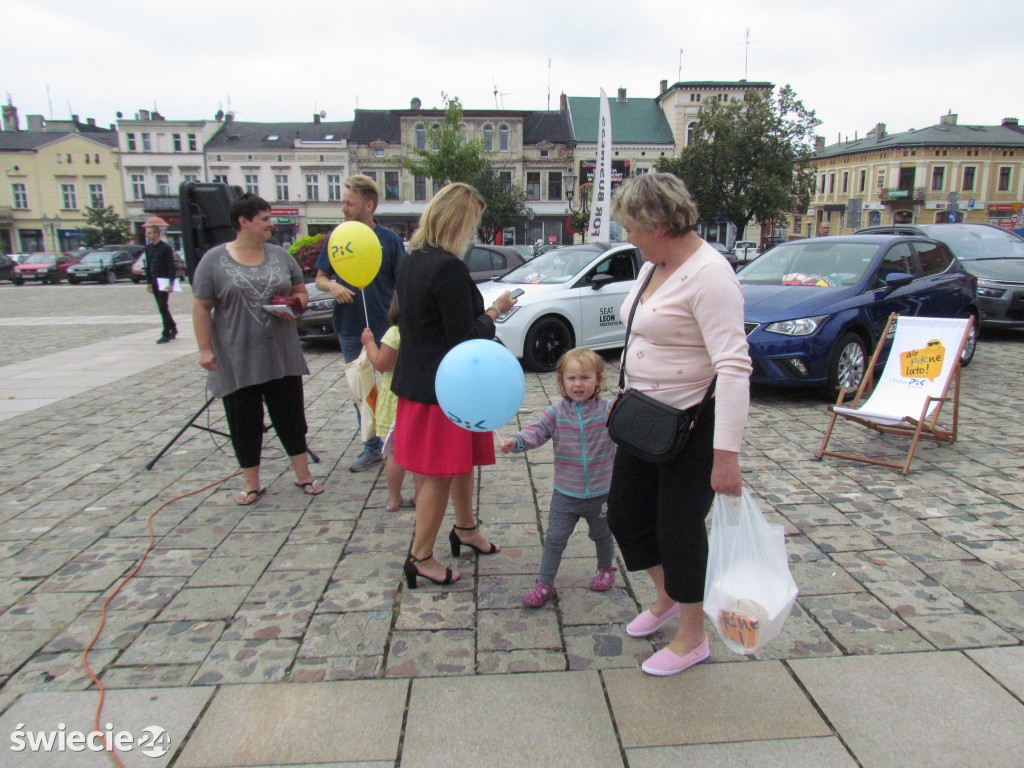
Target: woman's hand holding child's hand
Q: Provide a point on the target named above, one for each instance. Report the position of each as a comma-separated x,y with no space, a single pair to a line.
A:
508,445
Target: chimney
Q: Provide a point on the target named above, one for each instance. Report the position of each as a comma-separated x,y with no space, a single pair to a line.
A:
663,86
1008,122
879,131
10,117
819,143
563,103
74,119
415,103
622,95
36,123
316,117
947,119
142,114
229,117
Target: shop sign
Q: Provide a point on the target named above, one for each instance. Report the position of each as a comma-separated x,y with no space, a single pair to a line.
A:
284,211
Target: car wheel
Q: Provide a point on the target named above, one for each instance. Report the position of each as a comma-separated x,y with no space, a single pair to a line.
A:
55,280
73,280
970,345
110,278
849,363
136,280
18,281
548,339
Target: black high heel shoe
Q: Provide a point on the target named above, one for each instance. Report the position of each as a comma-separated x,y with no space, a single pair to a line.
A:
411,572
458,544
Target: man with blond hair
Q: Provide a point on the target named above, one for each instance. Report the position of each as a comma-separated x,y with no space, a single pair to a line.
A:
358,203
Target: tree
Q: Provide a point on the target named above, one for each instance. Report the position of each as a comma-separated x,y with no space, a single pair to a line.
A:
104,227
749,159
449,156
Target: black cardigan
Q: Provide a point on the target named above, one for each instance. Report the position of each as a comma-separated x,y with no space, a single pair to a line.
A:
439,306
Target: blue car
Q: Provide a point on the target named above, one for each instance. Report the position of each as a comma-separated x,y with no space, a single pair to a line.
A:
814,308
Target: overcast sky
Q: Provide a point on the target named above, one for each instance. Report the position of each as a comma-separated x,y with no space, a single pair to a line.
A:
854,63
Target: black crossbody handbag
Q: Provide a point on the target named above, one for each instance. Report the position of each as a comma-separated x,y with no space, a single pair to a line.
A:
643,426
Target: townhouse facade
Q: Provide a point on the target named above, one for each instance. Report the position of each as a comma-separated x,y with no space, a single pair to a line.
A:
945,172
54,171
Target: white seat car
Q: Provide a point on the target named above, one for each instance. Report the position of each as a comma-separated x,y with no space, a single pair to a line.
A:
571,298
745,250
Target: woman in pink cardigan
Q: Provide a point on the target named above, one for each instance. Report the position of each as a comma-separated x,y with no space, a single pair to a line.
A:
687,329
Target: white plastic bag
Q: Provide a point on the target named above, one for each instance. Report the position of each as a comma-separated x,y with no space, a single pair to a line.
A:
749,591
363,383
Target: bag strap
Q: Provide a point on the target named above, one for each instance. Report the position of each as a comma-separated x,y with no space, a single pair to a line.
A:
622,364
629,326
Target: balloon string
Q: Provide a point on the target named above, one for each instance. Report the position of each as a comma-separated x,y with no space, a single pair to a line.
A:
366,312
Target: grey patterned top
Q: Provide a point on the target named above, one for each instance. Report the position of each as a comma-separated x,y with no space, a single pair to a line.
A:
252,346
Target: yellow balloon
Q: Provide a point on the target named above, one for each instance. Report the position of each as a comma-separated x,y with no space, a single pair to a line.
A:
355,253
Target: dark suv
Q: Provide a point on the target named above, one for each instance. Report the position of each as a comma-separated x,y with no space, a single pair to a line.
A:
102,266
992,254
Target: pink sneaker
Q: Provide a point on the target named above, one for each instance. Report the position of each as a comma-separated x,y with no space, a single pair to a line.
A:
539,595
647,623
665,662
603,579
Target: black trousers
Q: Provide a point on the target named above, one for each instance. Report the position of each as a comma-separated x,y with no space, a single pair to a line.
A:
162,301
657,511
244,411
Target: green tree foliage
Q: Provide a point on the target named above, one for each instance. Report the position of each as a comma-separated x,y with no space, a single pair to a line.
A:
749,159
306,251
449,156
104,227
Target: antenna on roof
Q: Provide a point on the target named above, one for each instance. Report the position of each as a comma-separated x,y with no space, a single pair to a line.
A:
499,94
746,53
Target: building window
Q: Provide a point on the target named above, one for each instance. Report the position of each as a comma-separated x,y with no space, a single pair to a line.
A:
505,180
281,184
177,141
831,183
938,178
881,178
190,177
138,186
390,185
312,187
147,146
378,153
420,188
131,141
163,184
1004,179
554,185
488,137
20,196
821,185
334,187
252,183
371,175
96,196
421,136
691,129
863,180
220,178
503,138
192,143
798,221
68,196
435,186
968,185
533,185
846,182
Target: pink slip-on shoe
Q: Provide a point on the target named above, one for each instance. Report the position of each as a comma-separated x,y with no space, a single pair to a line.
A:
666,662
603,579
539,595
647,623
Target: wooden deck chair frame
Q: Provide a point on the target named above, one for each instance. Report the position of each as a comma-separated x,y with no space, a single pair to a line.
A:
920,426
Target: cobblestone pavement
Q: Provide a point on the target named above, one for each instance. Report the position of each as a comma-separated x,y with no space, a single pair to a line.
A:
297,589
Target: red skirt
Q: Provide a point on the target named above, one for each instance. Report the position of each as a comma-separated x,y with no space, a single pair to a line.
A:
428,443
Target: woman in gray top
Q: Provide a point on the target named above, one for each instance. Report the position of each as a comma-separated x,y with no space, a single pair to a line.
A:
253,355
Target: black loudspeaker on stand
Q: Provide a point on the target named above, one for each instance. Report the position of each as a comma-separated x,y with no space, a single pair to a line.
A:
192,423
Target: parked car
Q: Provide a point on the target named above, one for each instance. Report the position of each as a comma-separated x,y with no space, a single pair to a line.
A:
139,267
43,268
488,261
992,254
102,266
814,308
571,299
524,250
720,247
745,250
316,324
7,264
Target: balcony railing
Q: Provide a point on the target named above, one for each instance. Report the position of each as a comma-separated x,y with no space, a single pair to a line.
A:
895,195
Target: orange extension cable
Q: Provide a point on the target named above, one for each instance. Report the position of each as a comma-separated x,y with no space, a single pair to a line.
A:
103,611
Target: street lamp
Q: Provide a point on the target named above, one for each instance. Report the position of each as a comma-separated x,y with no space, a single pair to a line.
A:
569,182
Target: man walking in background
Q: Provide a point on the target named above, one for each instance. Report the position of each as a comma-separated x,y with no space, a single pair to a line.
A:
358,202
160,264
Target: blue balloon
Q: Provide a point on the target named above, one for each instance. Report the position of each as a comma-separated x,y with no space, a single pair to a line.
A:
480,385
